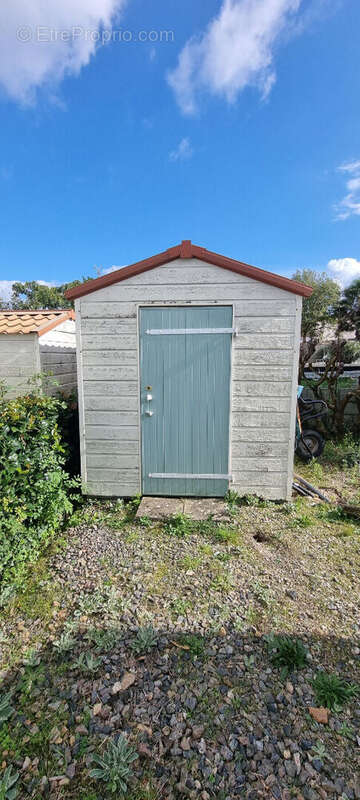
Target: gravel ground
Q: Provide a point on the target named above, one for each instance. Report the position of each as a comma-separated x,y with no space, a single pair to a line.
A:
207,711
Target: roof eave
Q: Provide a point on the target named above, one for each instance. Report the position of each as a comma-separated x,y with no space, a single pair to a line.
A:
49,326
188,250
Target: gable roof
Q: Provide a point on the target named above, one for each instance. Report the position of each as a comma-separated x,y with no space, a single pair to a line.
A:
189,250
40,322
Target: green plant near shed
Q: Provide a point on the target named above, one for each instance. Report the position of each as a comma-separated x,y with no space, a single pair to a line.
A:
34,487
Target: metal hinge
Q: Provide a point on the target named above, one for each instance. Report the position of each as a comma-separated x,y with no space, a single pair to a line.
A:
191,476
187,331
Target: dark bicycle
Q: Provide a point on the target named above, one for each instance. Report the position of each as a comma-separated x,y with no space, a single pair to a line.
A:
309,443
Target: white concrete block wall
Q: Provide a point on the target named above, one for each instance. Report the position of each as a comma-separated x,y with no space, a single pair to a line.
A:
19,361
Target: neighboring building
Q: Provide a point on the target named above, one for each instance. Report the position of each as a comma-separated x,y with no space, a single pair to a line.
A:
188,366
33,342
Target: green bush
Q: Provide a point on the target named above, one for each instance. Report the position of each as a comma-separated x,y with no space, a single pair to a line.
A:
34,487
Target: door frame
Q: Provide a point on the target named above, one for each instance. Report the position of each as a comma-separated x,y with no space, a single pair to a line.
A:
183,304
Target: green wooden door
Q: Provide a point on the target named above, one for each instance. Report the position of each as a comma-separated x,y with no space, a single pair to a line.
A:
185,400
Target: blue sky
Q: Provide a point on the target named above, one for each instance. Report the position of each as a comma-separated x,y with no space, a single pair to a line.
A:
241,132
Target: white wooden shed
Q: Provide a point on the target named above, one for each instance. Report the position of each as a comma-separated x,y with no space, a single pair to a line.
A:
34,342
187,377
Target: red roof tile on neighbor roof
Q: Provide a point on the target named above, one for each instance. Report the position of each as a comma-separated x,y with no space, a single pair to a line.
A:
188,250
40,322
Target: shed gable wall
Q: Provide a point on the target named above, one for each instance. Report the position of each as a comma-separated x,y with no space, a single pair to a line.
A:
264,370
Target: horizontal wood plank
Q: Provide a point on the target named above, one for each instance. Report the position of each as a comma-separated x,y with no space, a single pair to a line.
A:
263,404
250,324
177,273
119,418
262,357
114,461
112,446
101,489
259,449
109,341
104,326
262,464
116,373
93,309
111,403
260,419
105,388
113,475
110,357
181,292
260,434
111,312
266,492
116,433
262,373
257,478
264,341
259,388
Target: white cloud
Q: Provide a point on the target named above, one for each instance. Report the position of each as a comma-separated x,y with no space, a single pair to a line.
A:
345,270
42,42
5,290
236,50
349,206
183,151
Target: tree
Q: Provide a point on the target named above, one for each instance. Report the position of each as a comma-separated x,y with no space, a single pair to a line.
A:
32,295
347,311
318,310
342,311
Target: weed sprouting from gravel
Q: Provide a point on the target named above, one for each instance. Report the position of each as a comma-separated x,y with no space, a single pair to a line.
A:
114,766
8,789
332,691
87,662
65,643
6,709
287,653
179,525
104,640
195,644
145,640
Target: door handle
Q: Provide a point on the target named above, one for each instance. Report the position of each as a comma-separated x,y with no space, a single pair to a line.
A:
149,413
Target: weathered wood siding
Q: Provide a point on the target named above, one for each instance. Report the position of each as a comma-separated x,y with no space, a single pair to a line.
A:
19,361
58,358
264,375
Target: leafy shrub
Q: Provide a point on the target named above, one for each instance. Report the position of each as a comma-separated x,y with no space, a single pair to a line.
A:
342,453
287,653
34,487
332,691
115,766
